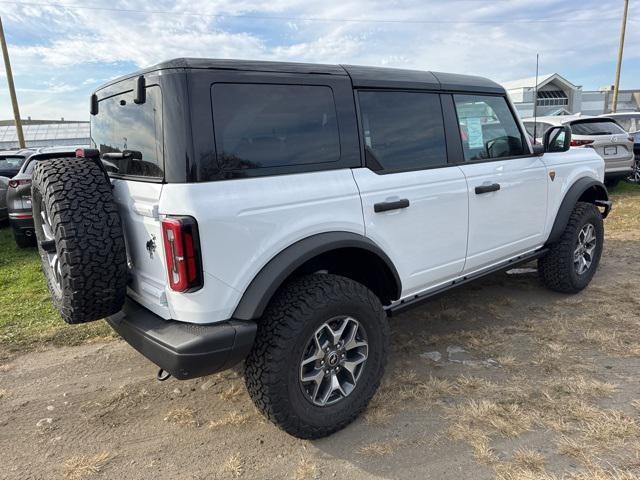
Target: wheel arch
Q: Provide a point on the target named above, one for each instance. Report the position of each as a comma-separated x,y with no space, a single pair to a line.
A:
585,189
342,253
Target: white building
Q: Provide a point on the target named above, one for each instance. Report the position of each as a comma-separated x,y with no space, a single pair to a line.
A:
558,96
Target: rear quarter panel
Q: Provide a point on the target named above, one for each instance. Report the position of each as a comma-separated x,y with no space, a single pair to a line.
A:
244,223
567,168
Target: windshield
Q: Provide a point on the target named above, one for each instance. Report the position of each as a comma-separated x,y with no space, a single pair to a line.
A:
596,127
11,163
123,125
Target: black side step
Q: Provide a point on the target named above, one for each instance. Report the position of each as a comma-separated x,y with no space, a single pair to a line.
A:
419,298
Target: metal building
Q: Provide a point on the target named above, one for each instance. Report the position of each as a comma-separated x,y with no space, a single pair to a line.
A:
44,133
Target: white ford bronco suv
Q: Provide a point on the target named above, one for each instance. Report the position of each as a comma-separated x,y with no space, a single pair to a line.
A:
278,213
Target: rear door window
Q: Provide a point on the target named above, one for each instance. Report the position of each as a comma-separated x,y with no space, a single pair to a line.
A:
123,125
270,125
595,127
402,130
488,128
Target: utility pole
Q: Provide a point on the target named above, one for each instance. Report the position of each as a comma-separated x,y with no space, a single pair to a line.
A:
12,88
614,107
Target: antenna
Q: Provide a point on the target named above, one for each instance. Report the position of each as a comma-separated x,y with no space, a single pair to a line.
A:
535,104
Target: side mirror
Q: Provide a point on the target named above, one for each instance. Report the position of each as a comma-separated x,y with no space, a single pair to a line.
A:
557,139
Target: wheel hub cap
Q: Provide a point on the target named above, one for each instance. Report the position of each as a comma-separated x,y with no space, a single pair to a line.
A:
333,361
585,248
50,253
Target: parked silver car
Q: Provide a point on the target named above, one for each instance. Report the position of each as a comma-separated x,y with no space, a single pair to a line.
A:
604,135
630,121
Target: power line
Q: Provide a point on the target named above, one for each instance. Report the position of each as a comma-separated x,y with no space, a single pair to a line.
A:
309,19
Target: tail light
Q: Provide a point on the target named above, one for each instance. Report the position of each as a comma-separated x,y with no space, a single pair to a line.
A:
17,183
580,143
182,250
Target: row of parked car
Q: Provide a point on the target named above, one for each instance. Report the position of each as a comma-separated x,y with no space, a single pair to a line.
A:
614,136
16,168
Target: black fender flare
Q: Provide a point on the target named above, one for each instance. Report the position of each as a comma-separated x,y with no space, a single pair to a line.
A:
265,284
596,191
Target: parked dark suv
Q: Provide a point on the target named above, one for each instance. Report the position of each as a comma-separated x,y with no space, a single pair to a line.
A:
19,192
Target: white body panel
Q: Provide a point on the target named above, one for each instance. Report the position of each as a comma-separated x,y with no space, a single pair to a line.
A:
245,223
511,220
427,241
446,233
138,205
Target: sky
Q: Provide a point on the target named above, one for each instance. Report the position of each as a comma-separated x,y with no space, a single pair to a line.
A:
60,52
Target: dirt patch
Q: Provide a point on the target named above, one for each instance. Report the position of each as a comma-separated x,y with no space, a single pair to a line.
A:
499,379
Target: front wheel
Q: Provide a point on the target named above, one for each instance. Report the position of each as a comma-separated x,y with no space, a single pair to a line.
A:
319,355
572,261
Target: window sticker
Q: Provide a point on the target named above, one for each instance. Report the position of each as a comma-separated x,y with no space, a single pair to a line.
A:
474,132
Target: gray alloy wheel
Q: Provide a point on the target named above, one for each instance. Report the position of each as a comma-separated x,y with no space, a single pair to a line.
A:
635,174
50,253
333,361
585,247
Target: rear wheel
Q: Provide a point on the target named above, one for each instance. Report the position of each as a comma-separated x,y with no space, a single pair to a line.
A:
319,355
80,239
573,260
635,174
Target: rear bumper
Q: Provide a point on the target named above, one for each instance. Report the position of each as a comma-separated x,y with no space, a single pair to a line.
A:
22,221
183,349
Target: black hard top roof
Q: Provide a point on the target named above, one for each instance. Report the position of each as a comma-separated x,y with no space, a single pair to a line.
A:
361,76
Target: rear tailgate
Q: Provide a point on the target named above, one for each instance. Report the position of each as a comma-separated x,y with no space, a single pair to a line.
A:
138,206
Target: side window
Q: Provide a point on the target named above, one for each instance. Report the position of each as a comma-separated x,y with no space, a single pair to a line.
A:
267,125
488,128
403,130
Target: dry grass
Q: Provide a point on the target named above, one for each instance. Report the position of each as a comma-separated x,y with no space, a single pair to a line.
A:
505,419
233,466
3,393
306,470
181,416
84,466
234,391
528,459
233,418
376,449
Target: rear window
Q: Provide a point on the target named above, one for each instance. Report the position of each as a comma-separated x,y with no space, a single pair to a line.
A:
11,162
595,127
262,126
123,125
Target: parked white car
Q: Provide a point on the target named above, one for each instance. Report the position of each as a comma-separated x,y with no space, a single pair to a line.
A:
278,213
601,134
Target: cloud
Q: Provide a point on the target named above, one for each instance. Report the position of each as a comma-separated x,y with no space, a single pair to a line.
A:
497,39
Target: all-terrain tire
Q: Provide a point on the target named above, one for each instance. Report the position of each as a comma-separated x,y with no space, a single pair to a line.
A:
75,199
273,366
556,269
22,240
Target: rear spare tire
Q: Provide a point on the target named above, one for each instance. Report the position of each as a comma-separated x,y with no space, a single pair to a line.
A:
80,238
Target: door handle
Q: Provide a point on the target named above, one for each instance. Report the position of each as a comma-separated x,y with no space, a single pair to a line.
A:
386,206
494,187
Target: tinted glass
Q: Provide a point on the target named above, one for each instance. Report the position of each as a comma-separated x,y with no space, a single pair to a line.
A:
488,128
122,125
597,127
11,162
259,126
403,130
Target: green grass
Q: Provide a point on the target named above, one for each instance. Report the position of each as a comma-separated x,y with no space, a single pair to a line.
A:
625,188
27,316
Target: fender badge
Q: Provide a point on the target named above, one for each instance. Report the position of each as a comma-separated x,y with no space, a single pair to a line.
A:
151,246
552,175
